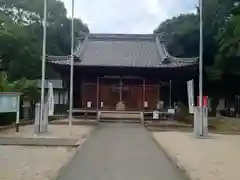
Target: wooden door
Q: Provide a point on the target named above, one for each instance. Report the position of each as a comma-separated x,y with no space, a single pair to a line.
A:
109,93
89,92
132,94
152,96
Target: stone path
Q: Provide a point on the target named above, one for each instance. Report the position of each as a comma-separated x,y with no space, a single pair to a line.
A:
120,152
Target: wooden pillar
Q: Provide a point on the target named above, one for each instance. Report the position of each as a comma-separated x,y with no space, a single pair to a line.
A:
98,92
170,94
68,89
144,92
120,90
159,91
82,92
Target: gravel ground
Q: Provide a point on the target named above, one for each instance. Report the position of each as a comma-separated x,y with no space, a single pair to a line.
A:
37,163
216,158
59,131
31,163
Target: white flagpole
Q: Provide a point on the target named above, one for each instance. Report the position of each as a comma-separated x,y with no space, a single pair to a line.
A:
201,60
71,69
43,59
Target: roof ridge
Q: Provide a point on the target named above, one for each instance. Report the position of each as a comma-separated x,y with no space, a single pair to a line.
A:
81,47
160,50
123,51
105,36
169,56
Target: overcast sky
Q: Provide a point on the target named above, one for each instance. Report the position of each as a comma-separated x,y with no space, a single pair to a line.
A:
128,16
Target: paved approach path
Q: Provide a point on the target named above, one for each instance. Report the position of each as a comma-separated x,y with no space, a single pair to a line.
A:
120,152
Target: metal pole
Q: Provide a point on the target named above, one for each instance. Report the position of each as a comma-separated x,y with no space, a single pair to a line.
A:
43,60
201,61
71,69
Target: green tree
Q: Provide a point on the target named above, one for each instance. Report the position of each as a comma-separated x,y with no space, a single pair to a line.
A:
21,35
181,35
226,69
227,59
28,88
221,43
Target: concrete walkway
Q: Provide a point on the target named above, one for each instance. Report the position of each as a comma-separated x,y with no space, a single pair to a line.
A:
120,152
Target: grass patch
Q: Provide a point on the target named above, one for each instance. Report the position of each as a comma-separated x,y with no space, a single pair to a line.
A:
225,124
7,118
218,124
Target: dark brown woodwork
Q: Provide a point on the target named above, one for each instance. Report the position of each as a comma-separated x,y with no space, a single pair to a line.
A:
132,92
89,94
151,96
98,91
144,93
110,91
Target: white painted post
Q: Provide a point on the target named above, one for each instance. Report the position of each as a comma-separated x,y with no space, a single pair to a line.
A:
44,49
197,122
142,118
98,116
37,119
201,63
71,68
18,114
205,121
44,127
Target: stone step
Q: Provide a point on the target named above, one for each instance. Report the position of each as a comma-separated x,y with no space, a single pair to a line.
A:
121,115
119,121
75,122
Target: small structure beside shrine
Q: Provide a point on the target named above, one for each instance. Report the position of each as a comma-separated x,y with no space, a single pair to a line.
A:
122,72
10,103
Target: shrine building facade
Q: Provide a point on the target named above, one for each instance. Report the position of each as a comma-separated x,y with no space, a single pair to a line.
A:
121,71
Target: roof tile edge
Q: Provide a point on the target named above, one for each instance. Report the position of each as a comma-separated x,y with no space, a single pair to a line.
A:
106,36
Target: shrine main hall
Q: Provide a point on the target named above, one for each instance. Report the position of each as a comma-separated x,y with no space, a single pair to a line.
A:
124,72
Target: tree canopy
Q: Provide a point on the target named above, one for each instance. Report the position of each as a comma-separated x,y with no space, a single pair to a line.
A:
221,19
21,39
21,35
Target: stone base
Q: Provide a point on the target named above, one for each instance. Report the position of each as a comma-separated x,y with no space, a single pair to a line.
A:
120,106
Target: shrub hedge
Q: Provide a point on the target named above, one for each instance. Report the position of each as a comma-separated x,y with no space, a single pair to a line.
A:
7,118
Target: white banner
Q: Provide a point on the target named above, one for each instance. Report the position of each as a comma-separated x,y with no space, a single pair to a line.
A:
50,100
190,88
155,115
89,104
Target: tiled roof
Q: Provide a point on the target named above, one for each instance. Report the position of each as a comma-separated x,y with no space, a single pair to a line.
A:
57,84
123,50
